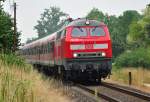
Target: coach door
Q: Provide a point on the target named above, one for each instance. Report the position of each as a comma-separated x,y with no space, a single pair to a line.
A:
57,48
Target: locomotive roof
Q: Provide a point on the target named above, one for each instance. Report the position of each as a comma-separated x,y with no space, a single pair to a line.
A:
82,22
78,22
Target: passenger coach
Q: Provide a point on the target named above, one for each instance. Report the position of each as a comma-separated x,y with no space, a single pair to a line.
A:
80,50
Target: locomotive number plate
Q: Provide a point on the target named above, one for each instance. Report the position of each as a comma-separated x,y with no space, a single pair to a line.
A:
89,46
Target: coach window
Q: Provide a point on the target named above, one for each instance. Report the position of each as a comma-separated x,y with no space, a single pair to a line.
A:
45,48
41,49
31,51
49,47
34,50
28,51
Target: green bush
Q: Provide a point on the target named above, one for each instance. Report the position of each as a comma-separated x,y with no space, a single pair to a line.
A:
14,60
137,58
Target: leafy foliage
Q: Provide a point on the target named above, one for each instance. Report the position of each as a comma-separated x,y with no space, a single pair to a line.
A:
29,40
140,31
135,58
12,59
6,32
139,41
95,14
51,20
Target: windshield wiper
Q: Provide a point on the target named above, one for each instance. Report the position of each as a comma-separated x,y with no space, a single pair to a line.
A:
80,29
94,28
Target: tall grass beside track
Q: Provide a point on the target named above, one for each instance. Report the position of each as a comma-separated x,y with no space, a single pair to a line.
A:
20,83
140,77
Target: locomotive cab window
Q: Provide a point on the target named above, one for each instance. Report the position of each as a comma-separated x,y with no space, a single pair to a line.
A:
97,31
79,32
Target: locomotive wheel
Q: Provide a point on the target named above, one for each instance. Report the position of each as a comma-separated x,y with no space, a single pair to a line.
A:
62,72
100,79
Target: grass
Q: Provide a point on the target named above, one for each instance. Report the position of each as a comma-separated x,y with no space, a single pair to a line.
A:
140,77
20,83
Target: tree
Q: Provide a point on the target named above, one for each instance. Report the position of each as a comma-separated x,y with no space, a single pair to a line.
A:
29,40
138,53
6,32
120,30
140,31
51,20
95,14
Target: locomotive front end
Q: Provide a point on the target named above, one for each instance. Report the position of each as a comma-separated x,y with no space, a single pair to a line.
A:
89,52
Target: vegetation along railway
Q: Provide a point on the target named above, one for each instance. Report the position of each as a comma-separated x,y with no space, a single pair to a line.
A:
80,50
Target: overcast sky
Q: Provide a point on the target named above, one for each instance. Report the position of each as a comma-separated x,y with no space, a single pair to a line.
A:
28,11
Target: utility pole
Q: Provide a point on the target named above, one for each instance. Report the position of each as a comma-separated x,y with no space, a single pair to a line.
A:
15,29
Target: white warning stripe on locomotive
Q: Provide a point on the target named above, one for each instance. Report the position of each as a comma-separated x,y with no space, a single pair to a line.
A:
77,47
95,46
101,46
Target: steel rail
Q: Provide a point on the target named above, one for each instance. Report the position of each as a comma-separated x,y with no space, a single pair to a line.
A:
105,97
127,91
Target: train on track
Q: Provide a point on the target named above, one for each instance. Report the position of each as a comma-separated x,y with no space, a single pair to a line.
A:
80,50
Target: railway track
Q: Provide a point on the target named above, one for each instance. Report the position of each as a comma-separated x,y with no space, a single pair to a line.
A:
100,95
123,94
132,92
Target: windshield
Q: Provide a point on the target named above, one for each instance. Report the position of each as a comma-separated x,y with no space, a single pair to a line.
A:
97,31
79,32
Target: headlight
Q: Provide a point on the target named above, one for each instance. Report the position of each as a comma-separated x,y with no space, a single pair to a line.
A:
103,54
87,22
75,55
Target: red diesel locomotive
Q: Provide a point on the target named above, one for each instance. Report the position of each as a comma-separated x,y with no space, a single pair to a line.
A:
82,49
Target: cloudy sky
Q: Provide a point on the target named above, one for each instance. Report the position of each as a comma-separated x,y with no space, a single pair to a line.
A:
28,11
